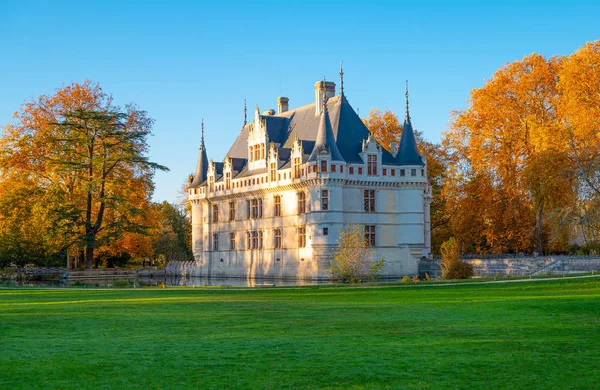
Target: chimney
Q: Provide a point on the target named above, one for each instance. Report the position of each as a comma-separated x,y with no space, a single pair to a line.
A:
282,104
323,87
394,148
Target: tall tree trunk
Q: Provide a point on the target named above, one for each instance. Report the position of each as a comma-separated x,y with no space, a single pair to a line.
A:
539,229
89,255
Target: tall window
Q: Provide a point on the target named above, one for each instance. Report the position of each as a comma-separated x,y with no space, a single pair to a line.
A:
215,213
324,199
248,208
323,166
231,211
254,208
302,237
277,206
369,235
371,164
369,199
260,239
413,172
277,236
227,180
297,167
254,239
260,208
301,203
215,241
211,183
232,241
402,172
273,171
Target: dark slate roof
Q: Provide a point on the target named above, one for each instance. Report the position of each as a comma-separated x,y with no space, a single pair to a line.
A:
408,153
348,130
325,139
201,167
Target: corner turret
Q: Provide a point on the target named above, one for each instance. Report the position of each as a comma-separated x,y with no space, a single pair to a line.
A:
202,165
408,152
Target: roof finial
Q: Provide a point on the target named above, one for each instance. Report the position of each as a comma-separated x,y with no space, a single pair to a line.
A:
407,114
341,78
202,142
245,113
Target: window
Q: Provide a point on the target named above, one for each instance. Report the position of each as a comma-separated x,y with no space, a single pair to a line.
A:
403,172
254,203
393,172
247,208
248,240
369,198
384,172
342,168
215,213
370,235
260,208
273,171
371,164
302,237
232,241
277,235
227,180
215,241
277,206
314,168
360,171
260,239
324,199
351,170
413,172
422,172
211,183
332,168
296,167
323,166
301,203
254,240
231,211
325,231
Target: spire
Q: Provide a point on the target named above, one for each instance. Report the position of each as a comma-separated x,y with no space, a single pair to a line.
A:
202,164
408,152
325,141
245,113
341,78
324,108
407,119
202,139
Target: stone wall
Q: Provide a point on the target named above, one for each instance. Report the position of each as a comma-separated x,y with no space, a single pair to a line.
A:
519,266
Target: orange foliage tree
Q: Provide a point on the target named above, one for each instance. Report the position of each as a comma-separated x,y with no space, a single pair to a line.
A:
85,160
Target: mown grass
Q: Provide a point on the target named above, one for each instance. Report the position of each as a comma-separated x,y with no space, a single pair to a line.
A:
515,335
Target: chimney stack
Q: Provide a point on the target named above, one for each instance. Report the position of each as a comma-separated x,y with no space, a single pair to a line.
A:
323,87
282,104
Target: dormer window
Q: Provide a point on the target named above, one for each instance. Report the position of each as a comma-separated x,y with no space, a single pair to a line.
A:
211,183
323,166
273,171
227,180
372,164
297,162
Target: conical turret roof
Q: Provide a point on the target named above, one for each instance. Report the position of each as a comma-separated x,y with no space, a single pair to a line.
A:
202,165
408,152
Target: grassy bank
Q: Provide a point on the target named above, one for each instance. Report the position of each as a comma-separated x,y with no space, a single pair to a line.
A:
539,335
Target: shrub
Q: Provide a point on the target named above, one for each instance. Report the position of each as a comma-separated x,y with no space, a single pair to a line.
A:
451,264
406,279
353,260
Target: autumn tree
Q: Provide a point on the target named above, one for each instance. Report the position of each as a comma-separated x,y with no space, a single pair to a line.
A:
173,238
85,158
353,259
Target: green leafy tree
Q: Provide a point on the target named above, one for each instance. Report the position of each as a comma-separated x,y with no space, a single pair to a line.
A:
353,259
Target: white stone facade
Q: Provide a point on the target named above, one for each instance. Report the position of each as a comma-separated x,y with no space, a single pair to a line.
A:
276,216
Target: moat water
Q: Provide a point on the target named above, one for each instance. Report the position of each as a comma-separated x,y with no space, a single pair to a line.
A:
166,282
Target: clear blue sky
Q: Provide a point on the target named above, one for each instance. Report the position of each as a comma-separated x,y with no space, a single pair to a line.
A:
186,60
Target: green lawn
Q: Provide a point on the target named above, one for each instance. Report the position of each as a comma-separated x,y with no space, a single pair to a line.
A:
515,335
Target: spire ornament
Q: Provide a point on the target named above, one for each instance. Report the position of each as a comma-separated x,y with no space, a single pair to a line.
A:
407,114
341,78
324,95
245,113
202,140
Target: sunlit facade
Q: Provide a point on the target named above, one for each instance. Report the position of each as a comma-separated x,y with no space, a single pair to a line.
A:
274,207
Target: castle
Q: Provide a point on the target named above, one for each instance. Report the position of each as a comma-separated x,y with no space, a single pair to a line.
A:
293,179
